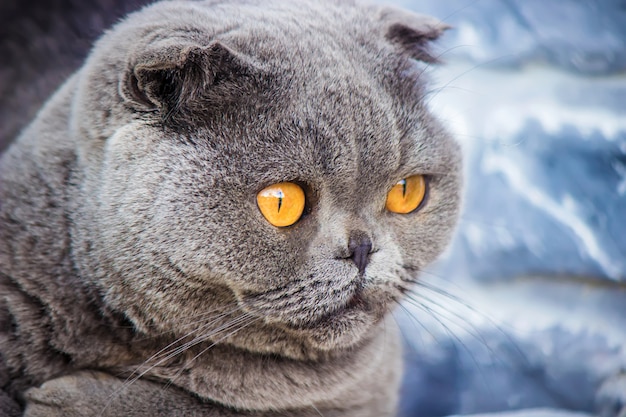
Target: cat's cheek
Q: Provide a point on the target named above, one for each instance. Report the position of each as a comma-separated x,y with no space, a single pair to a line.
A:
422,236
130,142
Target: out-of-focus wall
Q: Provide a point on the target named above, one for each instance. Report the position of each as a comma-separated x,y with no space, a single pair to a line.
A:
41,43
528,308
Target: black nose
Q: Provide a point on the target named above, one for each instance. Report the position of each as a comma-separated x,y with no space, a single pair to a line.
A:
360,246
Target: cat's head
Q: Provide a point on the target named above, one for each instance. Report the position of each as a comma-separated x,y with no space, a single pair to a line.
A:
189,111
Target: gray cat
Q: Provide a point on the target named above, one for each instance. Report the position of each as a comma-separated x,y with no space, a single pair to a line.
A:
218,212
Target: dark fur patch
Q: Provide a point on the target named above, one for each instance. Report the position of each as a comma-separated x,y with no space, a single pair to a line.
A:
415,42
189,83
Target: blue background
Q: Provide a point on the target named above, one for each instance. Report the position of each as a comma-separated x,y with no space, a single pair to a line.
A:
527,310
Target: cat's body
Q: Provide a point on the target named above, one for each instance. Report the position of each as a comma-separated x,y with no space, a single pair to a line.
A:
131,244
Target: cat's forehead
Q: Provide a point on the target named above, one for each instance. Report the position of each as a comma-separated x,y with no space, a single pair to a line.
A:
338,95
312,87
364,141
331,127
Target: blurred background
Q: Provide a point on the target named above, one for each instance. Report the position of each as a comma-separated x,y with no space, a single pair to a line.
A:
526,313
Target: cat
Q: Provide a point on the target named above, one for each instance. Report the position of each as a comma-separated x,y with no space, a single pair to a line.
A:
141,270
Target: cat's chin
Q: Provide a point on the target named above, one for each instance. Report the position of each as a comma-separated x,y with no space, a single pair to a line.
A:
344,328
336,324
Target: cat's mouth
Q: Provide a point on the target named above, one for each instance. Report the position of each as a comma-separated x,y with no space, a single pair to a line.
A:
347,325
331,314
356,303
306,311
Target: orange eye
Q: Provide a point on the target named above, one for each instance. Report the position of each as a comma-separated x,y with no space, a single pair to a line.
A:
406,195
281,204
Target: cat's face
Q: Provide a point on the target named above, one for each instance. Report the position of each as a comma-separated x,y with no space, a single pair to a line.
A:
171,221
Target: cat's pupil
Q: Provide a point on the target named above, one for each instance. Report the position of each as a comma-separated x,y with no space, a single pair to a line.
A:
403,182
280,199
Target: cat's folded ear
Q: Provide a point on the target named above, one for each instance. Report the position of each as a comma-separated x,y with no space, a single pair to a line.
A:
174,78
412,32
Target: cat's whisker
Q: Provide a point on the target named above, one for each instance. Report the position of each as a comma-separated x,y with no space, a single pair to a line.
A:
451,87
471,353
317,410
440,311
175,352
454,336
453,297
459,10
136,375
414,320
437,58
197,318
430,95
208,336
246,318
412,292
437,318
197,330
186,346
459,301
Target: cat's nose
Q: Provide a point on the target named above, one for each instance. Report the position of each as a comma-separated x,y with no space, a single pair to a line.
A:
360,247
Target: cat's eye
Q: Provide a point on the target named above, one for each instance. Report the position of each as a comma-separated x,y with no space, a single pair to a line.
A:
281,204
406,195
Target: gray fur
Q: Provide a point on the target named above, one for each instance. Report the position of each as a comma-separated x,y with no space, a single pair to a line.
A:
128,221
